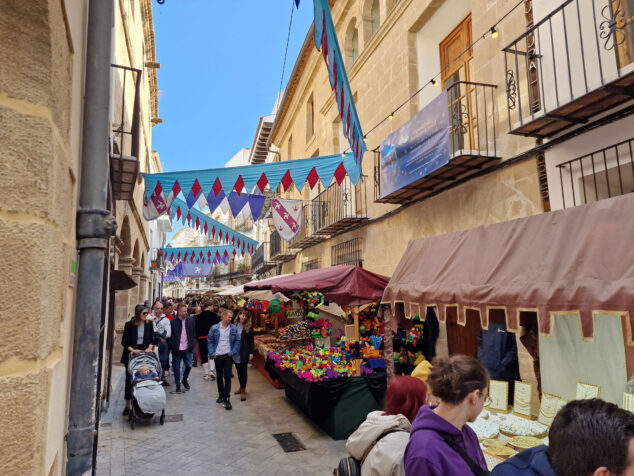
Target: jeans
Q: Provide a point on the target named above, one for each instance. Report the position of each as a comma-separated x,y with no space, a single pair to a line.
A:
186,356
223,374
242,373
164,355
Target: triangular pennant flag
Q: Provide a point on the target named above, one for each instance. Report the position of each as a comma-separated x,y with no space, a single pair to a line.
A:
239,185
287,180
340,174
197,223
262,182
217,187
312,178
213,201
326,172
237,202
256,203
192,197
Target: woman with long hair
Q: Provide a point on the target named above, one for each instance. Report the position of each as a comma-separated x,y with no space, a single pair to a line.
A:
441,443
138,336
380,441
244,323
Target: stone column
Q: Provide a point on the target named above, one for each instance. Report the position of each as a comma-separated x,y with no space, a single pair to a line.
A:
122,301
143,288
136,293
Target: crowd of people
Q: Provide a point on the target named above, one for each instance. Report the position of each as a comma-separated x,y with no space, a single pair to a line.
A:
187,331
422,430
422,434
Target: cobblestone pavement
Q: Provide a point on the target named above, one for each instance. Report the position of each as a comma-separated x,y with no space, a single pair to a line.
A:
211,440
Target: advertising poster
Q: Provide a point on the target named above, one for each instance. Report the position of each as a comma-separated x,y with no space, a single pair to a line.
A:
416,149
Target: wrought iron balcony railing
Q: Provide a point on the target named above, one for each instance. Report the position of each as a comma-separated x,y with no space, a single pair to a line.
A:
281,250
262,258
575,62
472,143
601,174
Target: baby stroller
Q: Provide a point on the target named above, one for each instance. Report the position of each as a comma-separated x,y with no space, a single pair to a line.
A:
148,396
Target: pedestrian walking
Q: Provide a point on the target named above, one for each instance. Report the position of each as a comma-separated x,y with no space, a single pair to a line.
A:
204,323
224,346
163,332
441,443
380,441
182,343
138,336
244,324
195,312
587,437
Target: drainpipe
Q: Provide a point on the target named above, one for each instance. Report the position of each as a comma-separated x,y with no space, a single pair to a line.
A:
95,226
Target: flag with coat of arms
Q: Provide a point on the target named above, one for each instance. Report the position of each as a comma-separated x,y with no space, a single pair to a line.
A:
287,216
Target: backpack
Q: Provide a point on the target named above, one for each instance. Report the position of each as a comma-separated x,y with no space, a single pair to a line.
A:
350,466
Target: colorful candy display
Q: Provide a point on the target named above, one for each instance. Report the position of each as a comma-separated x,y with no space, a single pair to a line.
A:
299,330
316,364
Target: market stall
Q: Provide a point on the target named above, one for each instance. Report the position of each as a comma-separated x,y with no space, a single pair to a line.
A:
557,287
334,378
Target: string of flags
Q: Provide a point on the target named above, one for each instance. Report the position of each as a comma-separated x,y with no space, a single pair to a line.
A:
204,187
200,254
214,229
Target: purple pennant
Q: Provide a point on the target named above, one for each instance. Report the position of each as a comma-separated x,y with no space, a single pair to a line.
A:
213,202
237,202
256,203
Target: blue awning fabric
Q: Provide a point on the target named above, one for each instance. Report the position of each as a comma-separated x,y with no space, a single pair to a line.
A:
198,254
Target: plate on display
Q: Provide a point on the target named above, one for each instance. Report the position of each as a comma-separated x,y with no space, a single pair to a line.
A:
484,429
524,442
516,426
501,451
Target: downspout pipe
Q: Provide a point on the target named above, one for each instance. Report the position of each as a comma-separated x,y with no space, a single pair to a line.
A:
95,226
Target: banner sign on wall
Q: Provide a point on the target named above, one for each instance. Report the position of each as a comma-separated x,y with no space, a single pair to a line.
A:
416,149
287,216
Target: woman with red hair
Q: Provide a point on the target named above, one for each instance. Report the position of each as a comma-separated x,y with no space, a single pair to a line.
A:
379,442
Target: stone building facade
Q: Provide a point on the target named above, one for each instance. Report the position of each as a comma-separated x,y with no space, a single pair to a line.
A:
42,63
399,56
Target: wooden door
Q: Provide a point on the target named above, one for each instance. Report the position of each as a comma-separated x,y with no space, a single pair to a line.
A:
455,61
462,339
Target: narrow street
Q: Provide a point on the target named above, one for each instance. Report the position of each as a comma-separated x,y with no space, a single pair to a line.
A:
201,437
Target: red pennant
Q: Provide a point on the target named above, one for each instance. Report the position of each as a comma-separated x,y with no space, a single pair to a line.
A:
341,105
348,123
185,257
209,255
197,223
239,185
233,240
234,252
217,187
201,254
191,259
178,213
197,261
242,252
340,173
196,188
178,256
205,228
238,242
220,235
312,178
287,180
189,219
176,188
262,182
213,231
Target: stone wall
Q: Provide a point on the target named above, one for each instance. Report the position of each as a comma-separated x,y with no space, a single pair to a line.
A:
41,59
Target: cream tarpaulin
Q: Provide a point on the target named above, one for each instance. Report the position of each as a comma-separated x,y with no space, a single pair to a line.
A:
579,260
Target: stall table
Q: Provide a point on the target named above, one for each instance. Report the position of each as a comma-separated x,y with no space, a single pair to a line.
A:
338,406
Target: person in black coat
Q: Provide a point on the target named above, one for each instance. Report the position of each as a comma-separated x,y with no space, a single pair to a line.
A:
182,346
138,336
244,323
204,321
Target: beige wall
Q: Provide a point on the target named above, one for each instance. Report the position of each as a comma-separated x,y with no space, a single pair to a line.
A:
41,66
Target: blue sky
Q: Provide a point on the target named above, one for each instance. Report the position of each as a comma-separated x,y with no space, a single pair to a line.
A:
221,63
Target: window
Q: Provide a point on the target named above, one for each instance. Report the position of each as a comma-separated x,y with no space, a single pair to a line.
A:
376,19
311,264
290,148
310,118
348,252
351,45
355,45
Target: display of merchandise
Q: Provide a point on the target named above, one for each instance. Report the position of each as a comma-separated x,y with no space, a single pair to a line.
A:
484,428
521,443
299,330
517,426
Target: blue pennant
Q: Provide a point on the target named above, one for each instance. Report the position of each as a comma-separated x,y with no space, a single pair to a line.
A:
256,203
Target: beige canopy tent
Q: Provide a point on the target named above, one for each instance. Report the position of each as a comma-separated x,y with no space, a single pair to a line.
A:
262,295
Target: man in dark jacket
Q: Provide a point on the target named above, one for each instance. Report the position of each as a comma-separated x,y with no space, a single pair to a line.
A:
204,321
587,437
182,343
497,351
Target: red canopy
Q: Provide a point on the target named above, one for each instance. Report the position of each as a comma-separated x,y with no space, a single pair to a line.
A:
344,285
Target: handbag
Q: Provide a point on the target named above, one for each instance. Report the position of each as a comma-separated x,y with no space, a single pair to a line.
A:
350,466
473,466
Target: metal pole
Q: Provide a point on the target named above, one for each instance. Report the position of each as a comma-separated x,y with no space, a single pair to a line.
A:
95,225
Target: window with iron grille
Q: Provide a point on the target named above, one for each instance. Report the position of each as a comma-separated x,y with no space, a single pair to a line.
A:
348,252
311,264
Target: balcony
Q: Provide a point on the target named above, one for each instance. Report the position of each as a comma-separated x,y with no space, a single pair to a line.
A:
308,233
472,144
124,152
340,207
281,250
576,62
604,173
261,261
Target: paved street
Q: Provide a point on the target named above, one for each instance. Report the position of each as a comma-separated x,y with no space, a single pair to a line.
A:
211,440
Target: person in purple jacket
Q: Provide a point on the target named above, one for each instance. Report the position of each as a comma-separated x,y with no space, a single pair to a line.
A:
441,443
